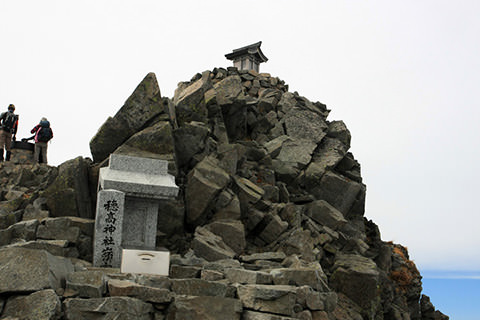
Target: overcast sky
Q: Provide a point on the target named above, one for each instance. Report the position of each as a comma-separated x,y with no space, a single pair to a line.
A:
402,75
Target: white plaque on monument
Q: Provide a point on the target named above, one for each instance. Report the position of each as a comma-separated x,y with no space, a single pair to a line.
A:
144,261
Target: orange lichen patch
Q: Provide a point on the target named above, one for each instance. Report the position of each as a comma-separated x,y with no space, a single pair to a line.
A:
403,276
407,273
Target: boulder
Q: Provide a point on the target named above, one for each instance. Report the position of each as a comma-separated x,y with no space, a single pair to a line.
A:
24,230
69,193
278,299
304,124
242,276
301,243
338,191
232,233
204,183
313,277
297,151
132,289
54,247
40,305
189,140
143,105
227,90
27,270
338,130
7,218
171,217
125,308
227,206
209,246
327,157
324,214
65,228
189,100
272,256
358,278
199,287
229,96
155,142
205,308
247,191
275,227
253,315
87,284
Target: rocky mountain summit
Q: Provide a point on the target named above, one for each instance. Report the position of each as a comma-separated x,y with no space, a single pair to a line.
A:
269,223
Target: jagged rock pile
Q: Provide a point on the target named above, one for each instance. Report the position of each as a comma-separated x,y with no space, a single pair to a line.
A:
268,225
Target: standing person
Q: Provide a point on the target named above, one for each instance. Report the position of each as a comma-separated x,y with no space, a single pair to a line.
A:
9,125
43,134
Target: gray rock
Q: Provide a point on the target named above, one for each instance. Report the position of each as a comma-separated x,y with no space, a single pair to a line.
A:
272,256
228,90
327,157
69,194
227,206
338,130
338,191
27,270
205,308
189,100
211,275
275,227
205,182
324,214
299,242
297,151
242,276
5,236
143,105
132,289
34,213
65,228
155,142
253,315
7,218
124,308
313,277
184,272
274,146
189,140
268,99
199,287
232,233
278,299
171,217
358,278
209,246
40,305
54,247
247,191
87,284
24,230
304,124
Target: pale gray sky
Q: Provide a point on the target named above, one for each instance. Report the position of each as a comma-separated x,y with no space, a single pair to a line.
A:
401,75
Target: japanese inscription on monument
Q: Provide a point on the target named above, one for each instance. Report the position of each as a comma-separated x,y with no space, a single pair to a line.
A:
108,228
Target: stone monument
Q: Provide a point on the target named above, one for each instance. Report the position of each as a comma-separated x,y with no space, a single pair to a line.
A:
127,206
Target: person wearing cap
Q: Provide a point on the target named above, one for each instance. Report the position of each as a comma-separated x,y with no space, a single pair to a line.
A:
8,125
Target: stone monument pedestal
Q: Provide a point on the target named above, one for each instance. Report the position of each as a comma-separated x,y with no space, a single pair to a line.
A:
135,185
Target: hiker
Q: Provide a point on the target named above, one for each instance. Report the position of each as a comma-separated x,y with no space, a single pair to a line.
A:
42,134
9,125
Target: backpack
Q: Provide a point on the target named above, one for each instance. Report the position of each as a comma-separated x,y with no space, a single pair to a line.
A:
44,134
9,121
